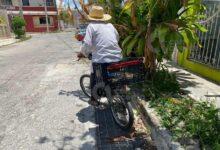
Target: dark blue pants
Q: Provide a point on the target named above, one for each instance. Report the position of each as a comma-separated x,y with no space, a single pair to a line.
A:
93,80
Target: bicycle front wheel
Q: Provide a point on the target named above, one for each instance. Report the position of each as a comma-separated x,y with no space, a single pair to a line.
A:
85,85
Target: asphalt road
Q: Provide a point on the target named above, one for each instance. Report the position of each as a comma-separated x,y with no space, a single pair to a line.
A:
41,105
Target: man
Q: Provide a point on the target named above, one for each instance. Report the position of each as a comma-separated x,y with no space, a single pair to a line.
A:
101,40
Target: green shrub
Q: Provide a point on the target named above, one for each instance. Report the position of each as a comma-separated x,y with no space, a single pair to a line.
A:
162,83
184,117
187,118
18,24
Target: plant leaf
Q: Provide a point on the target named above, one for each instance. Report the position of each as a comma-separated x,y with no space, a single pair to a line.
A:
131,45
140,49
200,27
179,42
126,7
126,40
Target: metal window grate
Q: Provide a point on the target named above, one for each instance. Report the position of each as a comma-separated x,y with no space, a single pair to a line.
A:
209,53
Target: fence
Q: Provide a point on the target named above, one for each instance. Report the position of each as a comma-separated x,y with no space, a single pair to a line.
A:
209,53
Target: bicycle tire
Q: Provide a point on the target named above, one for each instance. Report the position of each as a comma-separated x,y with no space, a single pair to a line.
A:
88,94
129,125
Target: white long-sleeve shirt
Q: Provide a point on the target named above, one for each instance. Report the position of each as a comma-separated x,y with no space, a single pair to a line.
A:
101,40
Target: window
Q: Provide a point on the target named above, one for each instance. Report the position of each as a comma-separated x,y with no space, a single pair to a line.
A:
41,21
25,2
49,2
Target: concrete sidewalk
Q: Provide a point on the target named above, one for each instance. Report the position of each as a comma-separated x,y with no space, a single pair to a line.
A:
7,41
196,87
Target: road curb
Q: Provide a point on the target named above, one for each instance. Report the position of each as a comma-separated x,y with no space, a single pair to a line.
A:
161,136
5,42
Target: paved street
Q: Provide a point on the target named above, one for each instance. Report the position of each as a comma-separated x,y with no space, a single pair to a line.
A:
42,106
38,109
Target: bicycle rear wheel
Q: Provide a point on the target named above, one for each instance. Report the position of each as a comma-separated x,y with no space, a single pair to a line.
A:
85,85
122,112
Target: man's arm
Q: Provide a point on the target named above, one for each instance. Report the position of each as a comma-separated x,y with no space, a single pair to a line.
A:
86,48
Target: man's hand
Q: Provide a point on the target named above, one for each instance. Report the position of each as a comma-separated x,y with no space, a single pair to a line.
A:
80,55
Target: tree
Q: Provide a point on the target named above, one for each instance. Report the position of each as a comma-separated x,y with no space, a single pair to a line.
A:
152,28
157,26
18,25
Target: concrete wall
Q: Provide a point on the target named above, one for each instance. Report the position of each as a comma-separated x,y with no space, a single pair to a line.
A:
15,2
201,69
30,25
5,29
37,2
31,2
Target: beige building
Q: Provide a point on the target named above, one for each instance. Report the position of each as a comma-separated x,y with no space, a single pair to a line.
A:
34,13
9,2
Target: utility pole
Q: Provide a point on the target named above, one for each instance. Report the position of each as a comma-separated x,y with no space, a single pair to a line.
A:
20,9
46,14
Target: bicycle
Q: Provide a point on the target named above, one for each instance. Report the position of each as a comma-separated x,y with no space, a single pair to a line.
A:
112,86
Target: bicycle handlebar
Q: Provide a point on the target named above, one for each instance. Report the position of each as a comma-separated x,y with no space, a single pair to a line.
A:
89,57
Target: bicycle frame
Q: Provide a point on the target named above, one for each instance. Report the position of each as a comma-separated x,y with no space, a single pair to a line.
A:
118,74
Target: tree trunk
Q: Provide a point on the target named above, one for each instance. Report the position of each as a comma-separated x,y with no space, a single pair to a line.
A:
150,57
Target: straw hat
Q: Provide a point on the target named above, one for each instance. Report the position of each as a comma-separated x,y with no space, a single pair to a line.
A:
97,14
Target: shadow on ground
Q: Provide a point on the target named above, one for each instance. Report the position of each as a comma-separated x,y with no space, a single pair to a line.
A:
67,137
108,135
185,79
111,137
77,93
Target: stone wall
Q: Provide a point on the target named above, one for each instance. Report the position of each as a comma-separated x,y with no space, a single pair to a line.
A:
4,27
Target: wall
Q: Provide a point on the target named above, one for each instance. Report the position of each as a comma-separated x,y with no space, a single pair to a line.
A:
36,2
6,30
31,28
15,2
202,69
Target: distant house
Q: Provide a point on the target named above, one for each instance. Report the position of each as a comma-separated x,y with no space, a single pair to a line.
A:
34,13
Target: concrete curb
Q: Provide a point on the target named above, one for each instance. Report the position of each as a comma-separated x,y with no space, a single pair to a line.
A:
161,136
5,42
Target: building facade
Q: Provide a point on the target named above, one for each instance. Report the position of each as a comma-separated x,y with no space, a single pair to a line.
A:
34,12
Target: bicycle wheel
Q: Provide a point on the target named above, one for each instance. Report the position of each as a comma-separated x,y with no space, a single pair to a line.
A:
85,85
122,112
